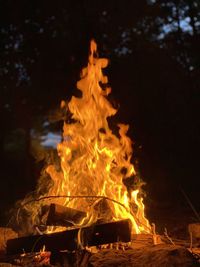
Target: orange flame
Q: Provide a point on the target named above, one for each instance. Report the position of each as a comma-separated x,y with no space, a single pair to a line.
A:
92,157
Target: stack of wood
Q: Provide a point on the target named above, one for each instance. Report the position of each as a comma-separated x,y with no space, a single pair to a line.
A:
74,239
101,232
101,244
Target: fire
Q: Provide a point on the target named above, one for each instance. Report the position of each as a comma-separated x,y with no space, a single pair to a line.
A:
92,157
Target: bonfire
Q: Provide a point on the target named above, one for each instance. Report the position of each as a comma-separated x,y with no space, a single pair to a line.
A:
91,205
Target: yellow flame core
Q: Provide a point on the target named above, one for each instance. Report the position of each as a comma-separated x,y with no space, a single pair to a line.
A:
92,157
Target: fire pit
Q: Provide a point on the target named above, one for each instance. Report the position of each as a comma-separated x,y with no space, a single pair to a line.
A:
93,207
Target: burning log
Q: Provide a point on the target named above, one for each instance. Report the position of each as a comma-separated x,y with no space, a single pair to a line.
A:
63,216
103,211
94,235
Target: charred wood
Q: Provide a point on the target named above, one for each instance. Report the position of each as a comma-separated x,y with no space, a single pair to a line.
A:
70,240
63,216
103,211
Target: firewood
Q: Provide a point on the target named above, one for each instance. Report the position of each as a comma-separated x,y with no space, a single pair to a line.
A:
63,216
5,234
94,235
103,211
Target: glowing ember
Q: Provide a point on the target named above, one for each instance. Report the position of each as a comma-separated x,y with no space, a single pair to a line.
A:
92,157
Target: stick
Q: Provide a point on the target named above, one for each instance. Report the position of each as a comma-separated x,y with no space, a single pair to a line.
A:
190,204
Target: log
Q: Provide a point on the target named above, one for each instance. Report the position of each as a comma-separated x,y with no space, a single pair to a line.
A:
98,234
103,211
5,234
63,216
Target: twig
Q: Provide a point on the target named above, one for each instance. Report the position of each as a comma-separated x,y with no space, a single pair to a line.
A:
190,204
97,197
167,236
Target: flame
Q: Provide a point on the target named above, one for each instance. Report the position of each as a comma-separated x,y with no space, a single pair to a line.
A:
92,157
